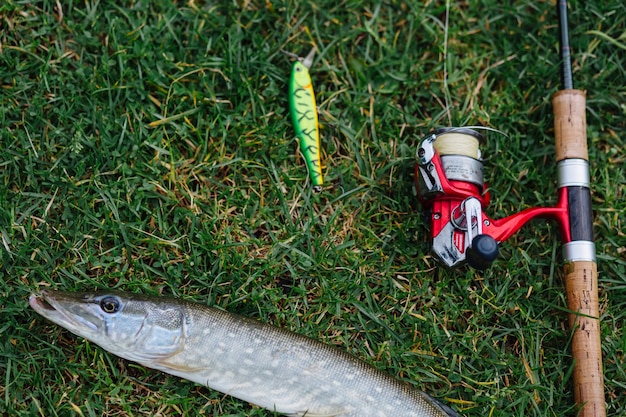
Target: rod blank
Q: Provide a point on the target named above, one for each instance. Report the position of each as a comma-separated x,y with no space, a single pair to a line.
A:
566,62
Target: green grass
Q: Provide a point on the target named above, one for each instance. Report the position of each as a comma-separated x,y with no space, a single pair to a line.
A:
147,146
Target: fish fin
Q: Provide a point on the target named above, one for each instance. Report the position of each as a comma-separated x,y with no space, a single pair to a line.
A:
160,362
449,411
309,414
166,366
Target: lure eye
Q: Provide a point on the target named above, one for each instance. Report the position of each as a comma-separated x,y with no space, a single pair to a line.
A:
110,305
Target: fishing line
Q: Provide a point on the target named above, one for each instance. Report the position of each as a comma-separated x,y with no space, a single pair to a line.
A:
462,140
455,143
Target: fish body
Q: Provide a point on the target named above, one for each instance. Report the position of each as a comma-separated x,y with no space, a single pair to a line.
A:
304,117
265,365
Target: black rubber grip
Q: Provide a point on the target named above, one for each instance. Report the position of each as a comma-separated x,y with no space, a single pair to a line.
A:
580,216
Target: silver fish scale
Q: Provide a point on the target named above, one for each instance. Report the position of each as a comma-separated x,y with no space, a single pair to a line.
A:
288,372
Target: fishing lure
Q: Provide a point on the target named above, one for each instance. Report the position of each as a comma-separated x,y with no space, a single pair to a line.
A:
304,117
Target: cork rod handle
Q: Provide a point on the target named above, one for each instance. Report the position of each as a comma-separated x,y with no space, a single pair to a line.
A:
581,278
570,124
581,285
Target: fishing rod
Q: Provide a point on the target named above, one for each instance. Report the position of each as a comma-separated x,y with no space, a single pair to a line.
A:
450,186
579,253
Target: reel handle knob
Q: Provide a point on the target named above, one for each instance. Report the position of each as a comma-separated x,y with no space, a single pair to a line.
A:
482,252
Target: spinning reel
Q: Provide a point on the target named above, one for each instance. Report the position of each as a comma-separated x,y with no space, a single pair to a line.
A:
450,186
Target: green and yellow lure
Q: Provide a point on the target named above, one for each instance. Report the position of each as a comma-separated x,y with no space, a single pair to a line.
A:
304,117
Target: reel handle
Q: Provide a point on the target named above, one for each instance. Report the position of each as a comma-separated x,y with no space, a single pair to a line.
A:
482,252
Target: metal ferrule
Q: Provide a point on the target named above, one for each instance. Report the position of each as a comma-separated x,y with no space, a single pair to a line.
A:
573,173
580,250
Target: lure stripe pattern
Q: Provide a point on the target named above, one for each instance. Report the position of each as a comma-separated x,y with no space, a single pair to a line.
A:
304,116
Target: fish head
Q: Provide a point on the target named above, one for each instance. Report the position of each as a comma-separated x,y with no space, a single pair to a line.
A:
127,325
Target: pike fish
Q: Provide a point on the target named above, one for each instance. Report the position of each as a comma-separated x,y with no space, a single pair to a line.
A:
271,367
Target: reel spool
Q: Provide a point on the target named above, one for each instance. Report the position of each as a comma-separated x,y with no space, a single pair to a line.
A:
459,154
450,186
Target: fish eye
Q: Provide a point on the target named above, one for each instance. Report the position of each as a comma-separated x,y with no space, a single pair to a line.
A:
110,305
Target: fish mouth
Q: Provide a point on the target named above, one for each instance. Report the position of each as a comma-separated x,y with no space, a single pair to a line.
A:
39,302
51,305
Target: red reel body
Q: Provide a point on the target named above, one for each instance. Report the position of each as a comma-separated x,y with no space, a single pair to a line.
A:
450,186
